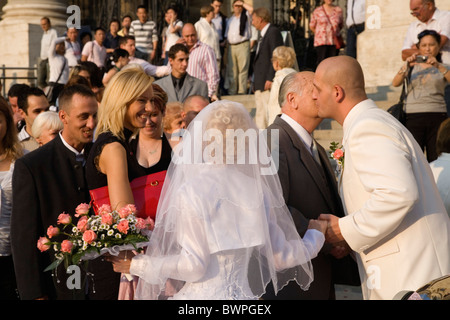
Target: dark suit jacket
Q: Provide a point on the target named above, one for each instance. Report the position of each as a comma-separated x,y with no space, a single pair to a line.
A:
308,191
263,69
46,183
191,86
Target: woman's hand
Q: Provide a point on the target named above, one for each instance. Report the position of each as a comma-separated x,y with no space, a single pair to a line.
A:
433,61
320,225
122,262
411,60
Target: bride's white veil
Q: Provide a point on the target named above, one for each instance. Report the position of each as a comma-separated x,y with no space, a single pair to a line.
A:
222,174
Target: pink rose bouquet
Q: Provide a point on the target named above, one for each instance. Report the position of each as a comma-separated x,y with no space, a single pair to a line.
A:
94,235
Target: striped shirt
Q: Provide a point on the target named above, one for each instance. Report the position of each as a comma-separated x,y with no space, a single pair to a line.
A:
203,65
145,35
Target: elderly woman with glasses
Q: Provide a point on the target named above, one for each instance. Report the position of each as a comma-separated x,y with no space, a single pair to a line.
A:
426,78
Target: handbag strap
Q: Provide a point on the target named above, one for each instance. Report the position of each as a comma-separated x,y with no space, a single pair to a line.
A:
324,11
406,82
62,71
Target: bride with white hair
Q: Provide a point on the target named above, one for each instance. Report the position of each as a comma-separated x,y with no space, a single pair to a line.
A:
222,228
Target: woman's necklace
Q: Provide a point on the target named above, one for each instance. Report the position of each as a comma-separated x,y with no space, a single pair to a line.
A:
152,152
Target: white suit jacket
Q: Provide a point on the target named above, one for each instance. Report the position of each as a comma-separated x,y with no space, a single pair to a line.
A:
395,219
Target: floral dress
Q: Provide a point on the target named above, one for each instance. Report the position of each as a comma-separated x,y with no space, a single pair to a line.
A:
324,30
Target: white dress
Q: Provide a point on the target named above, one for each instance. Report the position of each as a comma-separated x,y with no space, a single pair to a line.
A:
214,259
222,229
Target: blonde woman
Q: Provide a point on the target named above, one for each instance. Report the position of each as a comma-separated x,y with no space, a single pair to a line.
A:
10,151
125,108
283,61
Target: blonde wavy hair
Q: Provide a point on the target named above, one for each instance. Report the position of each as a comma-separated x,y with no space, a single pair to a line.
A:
285,56
124,88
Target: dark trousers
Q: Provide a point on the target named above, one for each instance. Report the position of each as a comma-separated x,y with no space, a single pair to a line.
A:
352,35
424,128
324,52
42,73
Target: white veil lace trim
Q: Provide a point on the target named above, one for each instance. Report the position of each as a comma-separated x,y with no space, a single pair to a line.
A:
222,198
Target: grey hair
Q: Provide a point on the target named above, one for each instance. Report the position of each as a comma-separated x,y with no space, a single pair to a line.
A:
289,84
46,120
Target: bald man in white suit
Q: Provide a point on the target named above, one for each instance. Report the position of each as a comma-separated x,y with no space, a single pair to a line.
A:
395,220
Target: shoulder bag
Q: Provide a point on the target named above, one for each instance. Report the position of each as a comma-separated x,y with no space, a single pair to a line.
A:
398,109
146,192
337,37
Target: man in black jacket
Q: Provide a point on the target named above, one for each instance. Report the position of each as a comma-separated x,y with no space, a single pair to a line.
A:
270,38
309,186
46,183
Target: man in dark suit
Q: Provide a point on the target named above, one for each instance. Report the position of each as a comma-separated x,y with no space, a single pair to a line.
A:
179,84
307,179
270,38
46,183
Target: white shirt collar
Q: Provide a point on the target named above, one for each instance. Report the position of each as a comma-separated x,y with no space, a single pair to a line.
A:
433,18
264,30
304,135
68,146
23,134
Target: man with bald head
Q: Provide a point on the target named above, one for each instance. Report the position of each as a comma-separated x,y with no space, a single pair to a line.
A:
307,179
395,219
192,107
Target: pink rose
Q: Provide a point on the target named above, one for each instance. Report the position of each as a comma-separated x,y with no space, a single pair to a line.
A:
82,210
52,232
66,246
123,226
127,210
82,223
104,208
338,154
89,236
64,218
150,223
140,223
145,224
43,244
107,218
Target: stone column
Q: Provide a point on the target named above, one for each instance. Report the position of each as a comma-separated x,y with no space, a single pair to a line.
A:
21,32
32,11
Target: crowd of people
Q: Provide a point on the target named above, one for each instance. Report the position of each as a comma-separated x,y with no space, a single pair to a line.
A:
267,217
